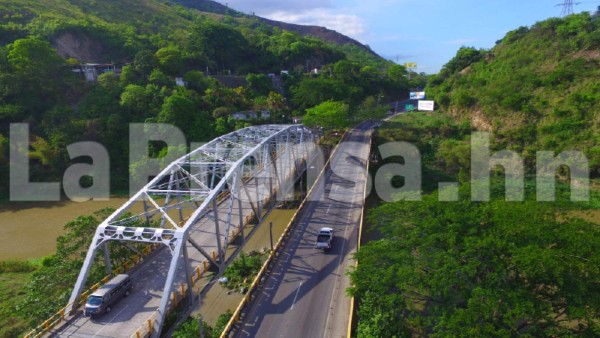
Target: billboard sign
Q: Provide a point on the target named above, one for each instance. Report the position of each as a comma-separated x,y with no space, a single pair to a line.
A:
410,65
425,105
417,95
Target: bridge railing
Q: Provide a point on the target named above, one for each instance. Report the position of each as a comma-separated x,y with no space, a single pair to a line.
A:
61,314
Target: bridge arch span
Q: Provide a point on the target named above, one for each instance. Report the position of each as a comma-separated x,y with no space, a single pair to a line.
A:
198,201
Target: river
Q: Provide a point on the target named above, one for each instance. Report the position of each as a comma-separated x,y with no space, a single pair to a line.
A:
29,229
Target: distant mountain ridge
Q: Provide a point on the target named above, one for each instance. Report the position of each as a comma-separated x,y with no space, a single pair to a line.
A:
209,6
324,33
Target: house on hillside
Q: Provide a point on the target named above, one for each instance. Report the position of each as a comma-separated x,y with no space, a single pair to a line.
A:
91,71
180,82
249,115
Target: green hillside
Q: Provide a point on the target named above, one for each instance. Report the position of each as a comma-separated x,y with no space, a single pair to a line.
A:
451,266
537,89
157,41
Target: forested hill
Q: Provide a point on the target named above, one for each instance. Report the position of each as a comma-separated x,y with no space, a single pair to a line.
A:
136,17
537,89
154,43
304,30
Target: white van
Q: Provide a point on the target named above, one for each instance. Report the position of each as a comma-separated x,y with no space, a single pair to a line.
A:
101,300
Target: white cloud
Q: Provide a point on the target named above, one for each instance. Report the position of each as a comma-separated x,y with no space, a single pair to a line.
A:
304,12
347,24
464,41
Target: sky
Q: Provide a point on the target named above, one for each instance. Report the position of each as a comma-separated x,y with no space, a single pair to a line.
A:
428,32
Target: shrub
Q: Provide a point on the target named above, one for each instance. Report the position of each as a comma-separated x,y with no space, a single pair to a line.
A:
16,266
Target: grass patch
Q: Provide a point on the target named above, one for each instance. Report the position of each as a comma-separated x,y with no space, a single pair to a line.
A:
12,292
18,266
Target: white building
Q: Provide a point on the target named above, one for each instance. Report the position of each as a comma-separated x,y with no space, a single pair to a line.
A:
249,115
91,71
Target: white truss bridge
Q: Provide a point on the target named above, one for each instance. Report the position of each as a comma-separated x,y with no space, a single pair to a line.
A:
198,201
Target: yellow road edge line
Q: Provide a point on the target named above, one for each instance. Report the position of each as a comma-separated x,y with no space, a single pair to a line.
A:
360,227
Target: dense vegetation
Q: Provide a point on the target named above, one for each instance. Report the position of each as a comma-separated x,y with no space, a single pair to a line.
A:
537,89
498,268
13,276
159,41
480,269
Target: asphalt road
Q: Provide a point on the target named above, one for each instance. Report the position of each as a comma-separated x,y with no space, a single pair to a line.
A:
304,295
132,312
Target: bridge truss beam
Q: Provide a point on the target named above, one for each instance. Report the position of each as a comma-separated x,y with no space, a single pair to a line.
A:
220,185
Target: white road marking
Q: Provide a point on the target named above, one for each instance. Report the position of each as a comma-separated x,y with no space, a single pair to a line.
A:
296,296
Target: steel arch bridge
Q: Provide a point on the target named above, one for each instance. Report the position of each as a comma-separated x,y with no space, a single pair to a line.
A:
218,188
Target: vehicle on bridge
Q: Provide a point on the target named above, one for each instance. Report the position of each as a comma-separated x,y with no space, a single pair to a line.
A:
107,295
324,239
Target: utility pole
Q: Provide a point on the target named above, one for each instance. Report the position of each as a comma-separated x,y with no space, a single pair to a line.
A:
271,234
567,7
201,326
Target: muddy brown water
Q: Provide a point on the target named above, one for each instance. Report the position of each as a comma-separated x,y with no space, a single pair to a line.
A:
29,229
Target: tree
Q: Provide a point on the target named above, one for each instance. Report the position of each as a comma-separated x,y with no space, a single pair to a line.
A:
275,102
370,109
33,77
197,81
313,91
220,43
170,61
50,286
478,269
346,71
464,57
32,57
182,110
259,84
144,62
159,78
191,327
397,72
129,75
136,102
329,114
221,126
